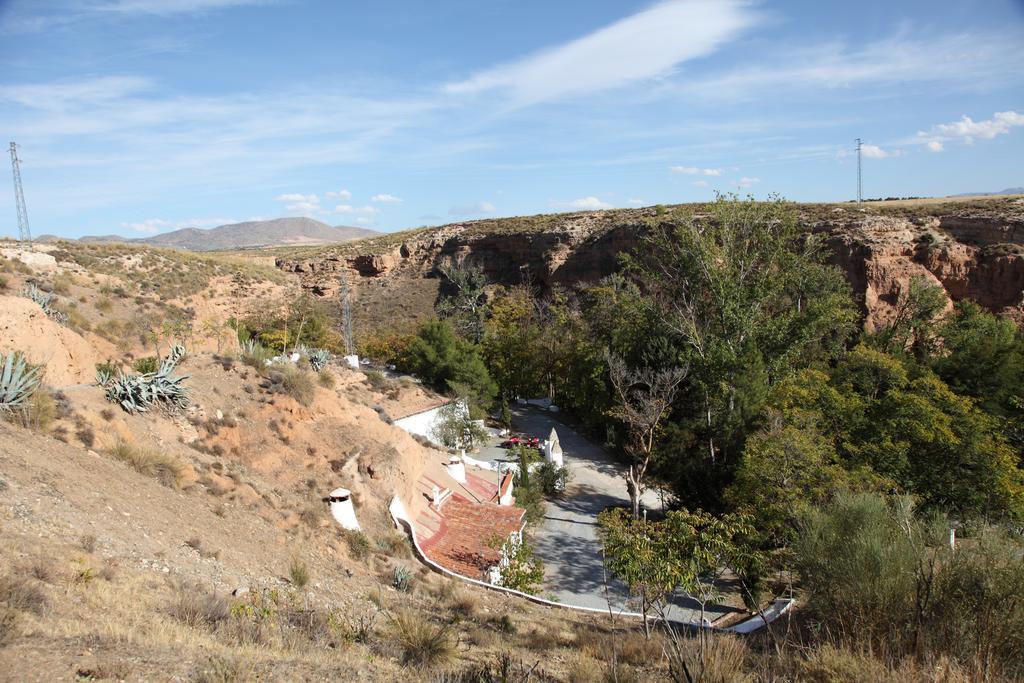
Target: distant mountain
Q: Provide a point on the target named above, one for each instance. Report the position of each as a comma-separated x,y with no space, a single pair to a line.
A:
251,234
1009,190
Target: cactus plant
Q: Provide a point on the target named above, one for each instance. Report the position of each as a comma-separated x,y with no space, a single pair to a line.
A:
318,359
18,380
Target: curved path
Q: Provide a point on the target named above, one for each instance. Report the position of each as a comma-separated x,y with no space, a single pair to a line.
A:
567,539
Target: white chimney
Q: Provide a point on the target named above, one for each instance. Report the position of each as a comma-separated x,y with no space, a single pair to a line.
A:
457,469
352,361
553,449
505,489
342,509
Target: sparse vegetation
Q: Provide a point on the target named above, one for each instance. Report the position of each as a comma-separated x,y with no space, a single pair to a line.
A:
164,468
423,642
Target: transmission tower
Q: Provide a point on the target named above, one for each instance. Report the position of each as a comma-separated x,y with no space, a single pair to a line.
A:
24,234
860,185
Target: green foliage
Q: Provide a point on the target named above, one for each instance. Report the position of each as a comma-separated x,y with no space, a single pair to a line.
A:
446,361
18,381
526,488
455,428
513,345
145,365
685,551
551,479
462,299
881,579
916,320
298,573
519,569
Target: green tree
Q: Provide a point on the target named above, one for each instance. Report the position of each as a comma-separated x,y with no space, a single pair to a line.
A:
512,345
455,428
463,298
448,362
739,284
914,324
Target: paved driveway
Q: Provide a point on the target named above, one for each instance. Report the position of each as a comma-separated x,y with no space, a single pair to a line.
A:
567,540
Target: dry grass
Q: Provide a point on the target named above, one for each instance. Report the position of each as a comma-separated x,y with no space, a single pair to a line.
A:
164,468
198,608
22,593
421,641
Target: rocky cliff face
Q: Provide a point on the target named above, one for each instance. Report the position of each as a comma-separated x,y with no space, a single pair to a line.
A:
973,250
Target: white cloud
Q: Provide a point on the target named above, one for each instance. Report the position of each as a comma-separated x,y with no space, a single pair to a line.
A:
150,226
966,130
693,170
363,220
643,46
296,197
472,209
340,194
355,210
700,183
300,203
876,152
747,182
386,198
582,204
635,202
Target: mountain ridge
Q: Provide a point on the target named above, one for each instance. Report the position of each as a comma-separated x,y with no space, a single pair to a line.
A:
245,235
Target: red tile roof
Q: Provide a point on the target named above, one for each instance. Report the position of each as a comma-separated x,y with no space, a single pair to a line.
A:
458,536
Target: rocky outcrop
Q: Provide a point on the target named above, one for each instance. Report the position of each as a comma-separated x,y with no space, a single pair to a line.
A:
973,250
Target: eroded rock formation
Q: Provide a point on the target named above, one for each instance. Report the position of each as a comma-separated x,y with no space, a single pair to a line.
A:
973,250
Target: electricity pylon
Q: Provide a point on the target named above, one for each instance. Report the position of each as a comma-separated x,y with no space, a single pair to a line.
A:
24,234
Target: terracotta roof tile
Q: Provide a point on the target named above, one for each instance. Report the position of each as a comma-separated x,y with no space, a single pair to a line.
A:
460,543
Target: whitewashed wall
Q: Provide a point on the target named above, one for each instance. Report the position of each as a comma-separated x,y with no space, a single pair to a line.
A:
423,423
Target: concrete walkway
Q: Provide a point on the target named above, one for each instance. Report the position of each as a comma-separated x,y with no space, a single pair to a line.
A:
567,540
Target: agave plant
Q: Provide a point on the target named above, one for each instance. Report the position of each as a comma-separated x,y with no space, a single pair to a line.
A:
175,356
104,375
45,301
18,380
318,359
250,346
137,393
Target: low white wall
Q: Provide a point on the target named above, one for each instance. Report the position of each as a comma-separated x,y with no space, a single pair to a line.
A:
401,519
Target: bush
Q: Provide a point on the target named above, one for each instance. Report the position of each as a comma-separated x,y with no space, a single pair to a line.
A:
298,572
294,382
199,608
21,593
165,468
326,379
422,642
146,365
358,544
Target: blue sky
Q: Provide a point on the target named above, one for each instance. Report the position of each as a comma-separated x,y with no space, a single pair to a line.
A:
142,116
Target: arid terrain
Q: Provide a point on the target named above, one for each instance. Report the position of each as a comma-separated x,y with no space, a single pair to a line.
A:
195,544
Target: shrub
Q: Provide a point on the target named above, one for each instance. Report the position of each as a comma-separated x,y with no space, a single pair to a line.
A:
38,412
165,468
403,579
198,608
298,572
292,381
4,284
21,593
146,364
422,642
326,379
358,544
8,625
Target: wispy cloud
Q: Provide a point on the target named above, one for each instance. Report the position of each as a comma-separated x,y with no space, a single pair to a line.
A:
969,60
474,209
166,7
386,198
646,45
693,170
300,203
581,204
748,182
343,195
636,202
349,209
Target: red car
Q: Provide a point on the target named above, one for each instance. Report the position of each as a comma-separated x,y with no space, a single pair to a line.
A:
512,441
